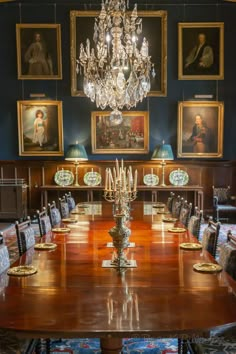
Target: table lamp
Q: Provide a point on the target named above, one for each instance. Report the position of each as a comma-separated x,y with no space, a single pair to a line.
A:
163,152
76,153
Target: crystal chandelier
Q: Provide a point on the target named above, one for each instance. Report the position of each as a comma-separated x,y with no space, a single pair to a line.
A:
116,73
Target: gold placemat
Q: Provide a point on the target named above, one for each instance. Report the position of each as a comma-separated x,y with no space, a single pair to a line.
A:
190,246
45,246
169,219
177,229
21,271
61,230
207,267
69,220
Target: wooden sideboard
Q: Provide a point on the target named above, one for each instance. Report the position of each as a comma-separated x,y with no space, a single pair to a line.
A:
153,191
13,201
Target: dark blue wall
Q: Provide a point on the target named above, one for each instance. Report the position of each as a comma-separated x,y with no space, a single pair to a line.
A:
77,111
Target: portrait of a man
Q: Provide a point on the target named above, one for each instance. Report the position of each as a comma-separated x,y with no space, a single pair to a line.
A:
201,51
200,129
38,51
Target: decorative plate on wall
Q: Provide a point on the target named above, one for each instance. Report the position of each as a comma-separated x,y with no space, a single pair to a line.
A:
178,177
92,178
64,177
151,179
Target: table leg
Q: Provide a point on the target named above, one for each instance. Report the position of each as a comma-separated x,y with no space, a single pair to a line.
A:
111,345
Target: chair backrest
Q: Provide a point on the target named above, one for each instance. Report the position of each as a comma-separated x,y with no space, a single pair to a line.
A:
70,200
4,255
177,205
222,194
54,214
227,257
170,201
43,222
63,207
210,237
185,213
25,235
195,221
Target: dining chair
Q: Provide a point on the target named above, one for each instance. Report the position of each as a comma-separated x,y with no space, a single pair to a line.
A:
43,221
170,200
11,344
195,221
4,255
227,256
25,235
70,200
210,237
223,203
63,207
54,214
177,205
220,341
185,213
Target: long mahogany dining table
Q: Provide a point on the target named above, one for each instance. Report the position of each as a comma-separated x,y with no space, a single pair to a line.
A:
73,296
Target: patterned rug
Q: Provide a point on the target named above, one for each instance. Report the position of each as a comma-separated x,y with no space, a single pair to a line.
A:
130,346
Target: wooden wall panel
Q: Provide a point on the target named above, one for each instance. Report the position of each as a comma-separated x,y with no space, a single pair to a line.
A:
38,173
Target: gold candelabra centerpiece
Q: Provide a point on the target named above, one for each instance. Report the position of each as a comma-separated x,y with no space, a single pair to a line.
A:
120,189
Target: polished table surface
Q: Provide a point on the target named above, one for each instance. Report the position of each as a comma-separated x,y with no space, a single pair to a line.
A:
72,295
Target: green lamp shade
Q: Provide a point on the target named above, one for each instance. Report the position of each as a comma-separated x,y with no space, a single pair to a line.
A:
76,152
163,152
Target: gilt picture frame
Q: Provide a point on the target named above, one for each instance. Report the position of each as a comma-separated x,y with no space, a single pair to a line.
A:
40,128
38,51
128,134
82,26
201,51
200,129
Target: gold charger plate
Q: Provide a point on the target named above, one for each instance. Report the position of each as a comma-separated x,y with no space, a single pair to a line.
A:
78,212
207,267
21,271
177,229
159,205
62,230
45,246
190,246
169,219
69,220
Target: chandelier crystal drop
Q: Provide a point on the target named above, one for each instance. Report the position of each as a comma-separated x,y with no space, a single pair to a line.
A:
116,73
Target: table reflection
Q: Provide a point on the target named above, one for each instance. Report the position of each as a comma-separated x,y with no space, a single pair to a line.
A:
122,308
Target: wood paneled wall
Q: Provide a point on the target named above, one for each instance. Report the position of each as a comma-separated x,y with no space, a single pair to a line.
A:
203,173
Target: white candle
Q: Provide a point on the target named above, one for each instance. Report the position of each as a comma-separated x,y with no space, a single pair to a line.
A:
106,176
135,180
117,168
111,175
122,164
129,184
124,181
109,181
114,183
